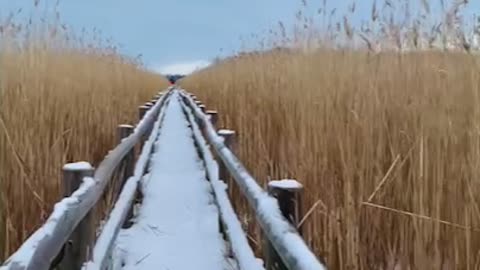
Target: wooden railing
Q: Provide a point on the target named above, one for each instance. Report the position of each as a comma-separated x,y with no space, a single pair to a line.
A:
67,238
102,254
277,211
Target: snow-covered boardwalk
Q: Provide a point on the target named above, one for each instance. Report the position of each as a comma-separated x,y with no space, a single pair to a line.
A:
177,223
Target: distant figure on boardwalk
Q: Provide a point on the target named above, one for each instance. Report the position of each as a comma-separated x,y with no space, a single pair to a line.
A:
174,78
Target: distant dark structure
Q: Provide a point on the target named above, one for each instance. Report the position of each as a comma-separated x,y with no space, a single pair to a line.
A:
173,78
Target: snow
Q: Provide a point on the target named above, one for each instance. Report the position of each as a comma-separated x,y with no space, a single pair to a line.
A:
125,126
177,224
24,255
281,233
104,246
78,166
288,184
226,132
241,249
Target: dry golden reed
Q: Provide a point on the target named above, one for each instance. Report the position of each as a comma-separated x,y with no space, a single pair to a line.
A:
387,146
61,99
384,134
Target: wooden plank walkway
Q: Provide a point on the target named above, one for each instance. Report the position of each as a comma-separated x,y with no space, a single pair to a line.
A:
177,224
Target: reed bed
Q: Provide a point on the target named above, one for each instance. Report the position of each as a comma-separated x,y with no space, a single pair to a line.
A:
62,96
387,147
381,127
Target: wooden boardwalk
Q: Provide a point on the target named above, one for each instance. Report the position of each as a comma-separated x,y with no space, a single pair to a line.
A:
166,182
178,215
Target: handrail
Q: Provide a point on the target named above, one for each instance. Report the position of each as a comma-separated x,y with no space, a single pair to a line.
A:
104,244
41,248
241,250
283,236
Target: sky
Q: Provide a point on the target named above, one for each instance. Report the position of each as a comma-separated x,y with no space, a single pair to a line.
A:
172,33
179,35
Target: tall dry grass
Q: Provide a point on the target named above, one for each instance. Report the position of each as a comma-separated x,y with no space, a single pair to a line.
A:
61,98
387,143
346,124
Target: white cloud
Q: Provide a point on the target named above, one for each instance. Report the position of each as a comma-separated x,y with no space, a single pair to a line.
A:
183,68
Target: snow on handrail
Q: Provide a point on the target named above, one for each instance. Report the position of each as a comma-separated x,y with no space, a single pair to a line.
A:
283,236
104,244
242,251
41,248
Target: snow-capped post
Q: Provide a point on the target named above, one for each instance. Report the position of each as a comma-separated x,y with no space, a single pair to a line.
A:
150,126
149,104
229,141
213,117
128,162
79,245
129,166
288,194
142,110
156,98
202,107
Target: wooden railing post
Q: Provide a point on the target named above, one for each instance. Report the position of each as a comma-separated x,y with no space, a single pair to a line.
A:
229,141
142,110
79,246
124,131
150,127
149,104
202,107
156,98
129,166
288,194
213,118
128,163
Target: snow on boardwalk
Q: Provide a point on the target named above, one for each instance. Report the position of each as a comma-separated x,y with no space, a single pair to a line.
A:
177,224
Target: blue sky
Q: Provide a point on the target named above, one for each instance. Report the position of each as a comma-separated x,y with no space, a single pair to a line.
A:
181,33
